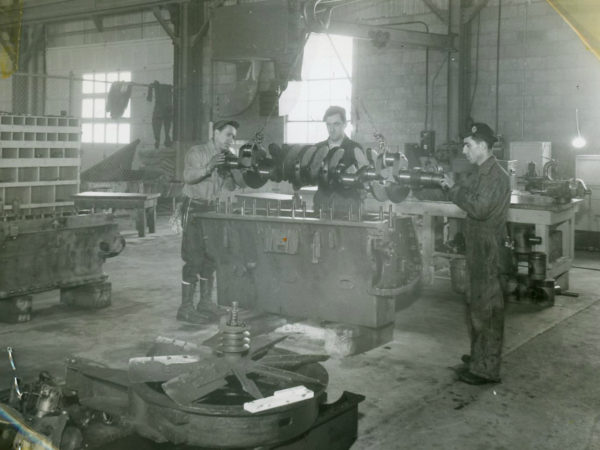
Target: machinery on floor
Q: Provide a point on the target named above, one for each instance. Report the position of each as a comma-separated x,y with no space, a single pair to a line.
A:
63,252
358,265
231,392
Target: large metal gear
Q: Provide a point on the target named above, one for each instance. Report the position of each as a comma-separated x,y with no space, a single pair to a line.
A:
186,393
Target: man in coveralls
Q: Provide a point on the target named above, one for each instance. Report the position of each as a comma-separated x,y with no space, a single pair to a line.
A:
485,197
203,187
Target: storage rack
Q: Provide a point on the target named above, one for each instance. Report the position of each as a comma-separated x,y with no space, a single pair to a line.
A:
39,162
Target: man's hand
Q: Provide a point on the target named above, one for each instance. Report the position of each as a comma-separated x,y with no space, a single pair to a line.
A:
447,182
216,161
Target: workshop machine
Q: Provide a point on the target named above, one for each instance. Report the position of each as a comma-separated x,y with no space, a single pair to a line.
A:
339,263
56,252
230,392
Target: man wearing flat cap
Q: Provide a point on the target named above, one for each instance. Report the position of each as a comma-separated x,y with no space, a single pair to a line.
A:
203,187
485,197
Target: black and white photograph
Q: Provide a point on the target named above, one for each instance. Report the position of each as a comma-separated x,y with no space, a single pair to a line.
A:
299,224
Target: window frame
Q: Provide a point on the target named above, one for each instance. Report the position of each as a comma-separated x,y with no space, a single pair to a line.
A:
94,94
314,117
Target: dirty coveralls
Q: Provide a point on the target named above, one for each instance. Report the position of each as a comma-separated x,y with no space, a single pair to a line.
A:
200,197
485,197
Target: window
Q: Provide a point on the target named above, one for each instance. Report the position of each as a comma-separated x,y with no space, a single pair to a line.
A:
324,83
96,124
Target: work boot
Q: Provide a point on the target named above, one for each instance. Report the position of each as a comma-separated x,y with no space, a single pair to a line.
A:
466,376
187,312
206,305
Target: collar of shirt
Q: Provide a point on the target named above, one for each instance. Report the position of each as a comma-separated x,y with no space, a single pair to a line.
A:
487,165
337,143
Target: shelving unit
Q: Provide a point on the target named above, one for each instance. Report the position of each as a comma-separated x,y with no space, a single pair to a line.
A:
39,162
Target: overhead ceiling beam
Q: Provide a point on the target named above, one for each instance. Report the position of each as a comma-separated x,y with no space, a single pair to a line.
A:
66,10
469,13
439,12
165,25
387,36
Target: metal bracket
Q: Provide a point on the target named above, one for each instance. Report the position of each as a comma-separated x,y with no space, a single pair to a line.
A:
439,12
470,13
163,23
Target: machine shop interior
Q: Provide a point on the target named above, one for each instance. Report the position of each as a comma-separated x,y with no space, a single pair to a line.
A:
274,224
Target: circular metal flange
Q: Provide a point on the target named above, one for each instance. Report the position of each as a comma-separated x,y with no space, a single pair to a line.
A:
219,420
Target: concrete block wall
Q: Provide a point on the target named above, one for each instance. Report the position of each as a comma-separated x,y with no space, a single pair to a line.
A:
545,74
389,83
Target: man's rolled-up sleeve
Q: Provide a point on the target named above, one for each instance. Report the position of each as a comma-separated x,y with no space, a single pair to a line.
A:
196,167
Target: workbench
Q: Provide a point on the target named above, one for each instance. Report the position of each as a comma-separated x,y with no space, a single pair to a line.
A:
143,204
540,212
259,200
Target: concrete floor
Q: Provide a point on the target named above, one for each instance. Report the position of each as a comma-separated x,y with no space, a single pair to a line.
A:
549,397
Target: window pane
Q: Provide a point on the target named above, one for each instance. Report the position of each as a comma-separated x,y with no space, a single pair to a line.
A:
317,131
98,132
325,82
319,90
111,133
299,112
86,132
112,76
316,109
340,90
289,98
87,108
125,76
296,133
88,86
100,85
99,108
124,133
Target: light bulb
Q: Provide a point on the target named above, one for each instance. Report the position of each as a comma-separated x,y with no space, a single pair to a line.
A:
578,142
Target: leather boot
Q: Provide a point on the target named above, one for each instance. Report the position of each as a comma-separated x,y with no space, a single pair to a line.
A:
186,311
206,305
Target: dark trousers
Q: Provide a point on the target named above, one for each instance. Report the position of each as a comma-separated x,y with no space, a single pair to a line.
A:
197,261
485,321
158,121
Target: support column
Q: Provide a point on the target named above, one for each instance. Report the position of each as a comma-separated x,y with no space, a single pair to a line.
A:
188,125
454,74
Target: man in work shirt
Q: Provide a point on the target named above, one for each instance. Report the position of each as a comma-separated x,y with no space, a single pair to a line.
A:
203,187
354,158
485,197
